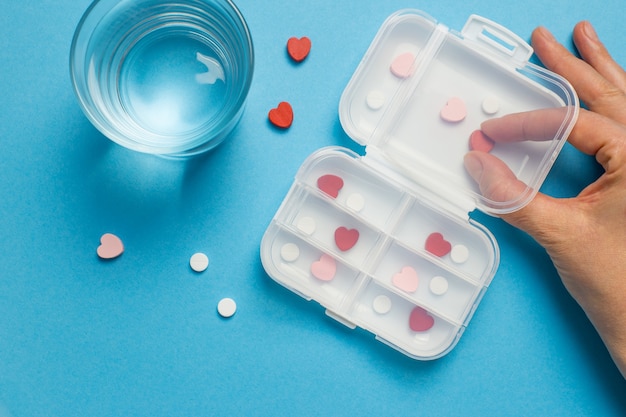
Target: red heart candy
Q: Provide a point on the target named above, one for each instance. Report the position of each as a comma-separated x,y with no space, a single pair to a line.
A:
437,245
281,116
298,49
480,142
420,320
346,238
330,184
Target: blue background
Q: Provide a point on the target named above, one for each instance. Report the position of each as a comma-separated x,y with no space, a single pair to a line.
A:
140,336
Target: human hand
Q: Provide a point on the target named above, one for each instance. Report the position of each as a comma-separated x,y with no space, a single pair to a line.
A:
585,236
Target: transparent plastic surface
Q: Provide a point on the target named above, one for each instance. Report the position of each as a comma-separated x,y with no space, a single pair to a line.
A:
393,267
160,76
384,241
478,74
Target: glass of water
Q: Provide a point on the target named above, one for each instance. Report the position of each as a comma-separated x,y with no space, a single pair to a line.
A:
167,77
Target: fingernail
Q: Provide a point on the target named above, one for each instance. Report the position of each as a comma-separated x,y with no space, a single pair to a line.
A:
546,34
590,31
473,165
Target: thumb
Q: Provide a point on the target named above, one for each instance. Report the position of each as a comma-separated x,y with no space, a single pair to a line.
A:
498,183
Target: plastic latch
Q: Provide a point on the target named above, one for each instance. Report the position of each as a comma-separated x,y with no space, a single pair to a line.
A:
340,319
496,38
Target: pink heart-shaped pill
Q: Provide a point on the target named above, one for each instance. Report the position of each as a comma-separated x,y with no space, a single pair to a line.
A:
330,184
437,245
346,238
324,269
480,142
420,320
110,247
454,111
402,65
406,279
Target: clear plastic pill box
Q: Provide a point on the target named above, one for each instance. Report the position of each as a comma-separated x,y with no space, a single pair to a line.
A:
384,241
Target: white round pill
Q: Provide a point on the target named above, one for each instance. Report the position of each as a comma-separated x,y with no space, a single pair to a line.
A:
290,252
199,262
382,304
438,285
491,105
355,202
375,100
459,254
307,225
226,307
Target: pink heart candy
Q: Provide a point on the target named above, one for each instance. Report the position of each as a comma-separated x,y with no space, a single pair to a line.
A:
402,65
346,238
480,142
110,247
324,269
420,320
454,111
406,279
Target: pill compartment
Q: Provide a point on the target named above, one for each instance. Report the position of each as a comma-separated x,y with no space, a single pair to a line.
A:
296,259
390,322
411,275
384,241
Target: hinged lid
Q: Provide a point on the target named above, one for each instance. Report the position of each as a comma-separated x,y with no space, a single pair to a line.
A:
422,89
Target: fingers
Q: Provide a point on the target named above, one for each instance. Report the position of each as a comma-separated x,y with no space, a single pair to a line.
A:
593,51
536,125
587,76
593,134
498,183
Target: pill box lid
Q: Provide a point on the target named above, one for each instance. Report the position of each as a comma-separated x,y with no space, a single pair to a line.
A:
416,68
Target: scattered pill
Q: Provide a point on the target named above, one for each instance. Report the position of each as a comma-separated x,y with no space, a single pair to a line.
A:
199,262
437,245
375,100
330,184
382,304
480,142
454,111
355,202
226,307
402,65
438,285
459,254
290,252
346,238
110,247
491,105
298,49
281,116
307,225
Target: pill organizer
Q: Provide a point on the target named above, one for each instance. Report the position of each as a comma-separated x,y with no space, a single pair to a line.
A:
384,241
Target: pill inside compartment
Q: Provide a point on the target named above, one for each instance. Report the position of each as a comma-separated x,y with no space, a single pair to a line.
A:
425,282
344,180
458,72
406,36
420,221
392,325
307,269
